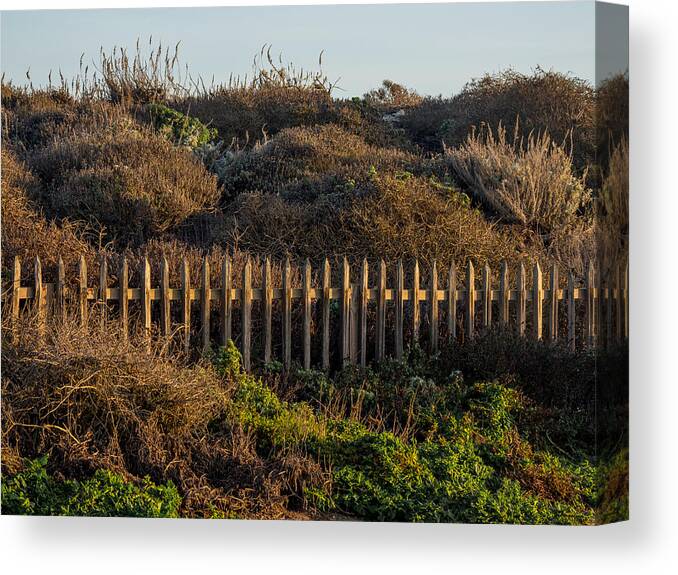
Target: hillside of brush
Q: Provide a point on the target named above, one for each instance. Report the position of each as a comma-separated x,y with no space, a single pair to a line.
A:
134,162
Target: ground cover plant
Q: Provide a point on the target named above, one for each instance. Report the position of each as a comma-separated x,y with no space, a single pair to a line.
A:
136,162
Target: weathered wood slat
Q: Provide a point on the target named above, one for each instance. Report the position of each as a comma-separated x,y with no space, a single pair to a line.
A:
205,308
226,301
553,305
246,315
60,291
186,305
82,290
165,327
452,302
609,297
433,308
470,300
537,301
618,303
380,345
146,297
522,299
123,297
416,319
589,325
625,301
307,315
287,315
16,290
487,296
504,294
326,315
364,294
102,300
345,342
39,302
571,312
399,310
267,286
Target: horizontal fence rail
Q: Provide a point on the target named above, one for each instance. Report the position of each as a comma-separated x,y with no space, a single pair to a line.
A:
551,306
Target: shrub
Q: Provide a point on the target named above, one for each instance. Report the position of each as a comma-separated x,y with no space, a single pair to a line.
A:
614,205
392,97
179,128
307,162
34,492
545,101
25,231
130,181
531,183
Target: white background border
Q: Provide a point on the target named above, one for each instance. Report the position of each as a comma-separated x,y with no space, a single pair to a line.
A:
646,544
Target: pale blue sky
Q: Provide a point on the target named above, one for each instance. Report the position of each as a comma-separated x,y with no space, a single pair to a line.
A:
433,48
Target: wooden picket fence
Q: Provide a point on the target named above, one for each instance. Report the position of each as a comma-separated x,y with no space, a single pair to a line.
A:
593,299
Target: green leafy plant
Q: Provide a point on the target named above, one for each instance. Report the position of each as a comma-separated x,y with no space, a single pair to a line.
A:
179,128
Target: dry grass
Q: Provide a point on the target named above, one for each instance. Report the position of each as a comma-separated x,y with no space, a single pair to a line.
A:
91,400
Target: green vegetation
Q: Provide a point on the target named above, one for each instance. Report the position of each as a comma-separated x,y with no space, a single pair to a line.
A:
34,492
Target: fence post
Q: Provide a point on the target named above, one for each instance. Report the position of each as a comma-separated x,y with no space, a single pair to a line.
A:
226,303
415,303
452,303
164,297
345,342
537,301
267,287
82,290
625,301
124,297
590,305
287,315
470,300
186,304
399,310
487,296
205,304
522,299
618,301
39,297
553,307
571,312
146,298
246,312
434,308
16,289
504,294
60,295
307,314
364,297
326,315
103,290
380,349
609,294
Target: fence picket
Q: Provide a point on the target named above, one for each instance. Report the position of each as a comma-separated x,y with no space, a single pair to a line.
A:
452,303
470,300
165,328
246,315
267,286
345,342
434,308
618,301
553,305
416,320
625,301
364,296
326,315
522,299
590,303
16,292
537,301
287,315
504,294
60,291
205,304
307,315
186,304
487,297
123,299
39,297
146,297
380,350
399,310
571,312
226,303
82,290
103,290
